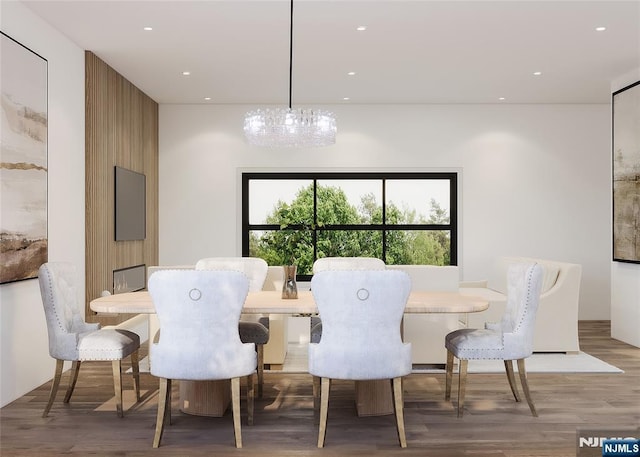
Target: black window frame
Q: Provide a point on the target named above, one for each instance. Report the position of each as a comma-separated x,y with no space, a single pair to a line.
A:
452,226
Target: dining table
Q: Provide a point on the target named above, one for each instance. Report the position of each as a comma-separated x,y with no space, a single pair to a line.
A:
211,398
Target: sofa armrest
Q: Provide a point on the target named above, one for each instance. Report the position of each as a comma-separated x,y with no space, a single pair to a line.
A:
480,283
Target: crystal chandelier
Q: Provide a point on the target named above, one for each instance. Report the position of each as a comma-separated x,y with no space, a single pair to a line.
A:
287,127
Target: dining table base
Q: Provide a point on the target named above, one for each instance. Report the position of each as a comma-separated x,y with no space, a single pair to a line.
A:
212,398
374,398
205,398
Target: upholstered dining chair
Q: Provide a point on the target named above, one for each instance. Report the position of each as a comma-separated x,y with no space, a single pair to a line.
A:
335,264
508,340
73,339
198,313
361,312
340,263
251,330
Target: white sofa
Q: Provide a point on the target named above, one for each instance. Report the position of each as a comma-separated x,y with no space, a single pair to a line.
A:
556,328
426,332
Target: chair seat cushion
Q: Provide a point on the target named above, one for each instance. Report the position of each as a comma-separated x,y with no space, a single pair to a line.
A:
107,344
346,362
253,332
470,343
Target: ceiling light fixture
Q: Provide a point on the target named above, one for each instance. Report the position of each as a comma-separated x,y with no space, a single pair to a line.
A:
286,127
600,29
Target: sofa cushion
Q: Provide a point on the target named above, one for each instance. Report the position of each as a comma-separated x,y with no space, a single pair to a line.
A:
550,272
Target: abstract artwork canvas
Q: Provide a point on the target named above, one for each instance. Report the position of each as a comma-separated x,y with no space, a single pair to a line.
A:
23,161
626,174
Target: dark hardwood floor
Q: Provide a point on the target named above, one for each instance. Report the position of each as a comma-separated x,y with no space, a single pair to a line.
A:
493,425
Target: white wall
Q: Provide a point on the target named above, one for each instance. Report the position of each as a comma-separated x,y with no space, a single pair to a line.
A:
625,277
26,363
535,179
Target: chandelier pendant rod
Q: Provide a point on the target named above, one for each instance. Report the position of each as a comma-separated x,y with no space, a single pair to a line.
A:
291,56
282,127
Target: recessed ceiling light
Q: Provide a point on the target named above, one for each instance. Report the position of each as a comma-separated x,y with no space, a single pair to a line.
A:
361,28
501,98
186,73
346,98
600,29
148,29
351,73
537,73
207,98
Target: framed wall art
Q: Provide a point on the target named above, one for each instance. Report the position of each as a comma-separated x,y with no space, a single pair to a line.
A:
626,174
23,158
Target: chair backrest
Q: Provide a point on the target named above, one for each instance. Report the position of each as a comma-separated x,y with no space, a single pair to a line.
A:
361,312
347,263
524,283
199,313
151,269
63,312
253,267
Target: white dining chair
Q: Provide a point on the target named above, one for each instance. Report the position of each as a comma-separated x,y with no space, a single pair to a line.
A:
73,339
340,263
253,329
315,324
361,311
508,340
199,341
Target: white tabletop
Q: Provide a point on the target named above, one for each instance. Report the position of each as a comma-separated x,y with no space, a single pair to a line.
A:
271,302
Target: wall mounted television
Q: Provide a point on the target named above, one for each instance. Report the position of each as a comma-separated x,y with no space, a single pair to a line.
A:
130,205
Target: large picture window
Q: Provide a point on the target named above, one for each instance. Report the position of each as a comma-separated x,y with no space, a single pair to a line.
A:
401,218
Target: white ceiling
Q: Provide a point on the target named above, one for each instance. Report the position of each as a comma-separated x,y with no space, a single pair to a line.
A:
412,51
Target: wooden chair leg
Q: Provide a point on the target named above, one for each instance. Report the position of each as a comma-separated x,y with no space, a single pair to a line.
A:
508,365
250,398
54,386
325,387
316,399
260,351
135,367
462,385
525,386
235,404
398,402
164,409
75,369
448,376
169,399
117,385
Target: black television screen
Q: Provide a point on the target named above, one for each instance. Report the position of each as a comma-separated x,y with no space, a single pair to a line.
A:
130,205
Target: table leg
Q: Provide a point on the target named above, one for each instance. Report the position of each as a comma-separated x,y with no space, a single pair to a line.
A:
374,398
205,398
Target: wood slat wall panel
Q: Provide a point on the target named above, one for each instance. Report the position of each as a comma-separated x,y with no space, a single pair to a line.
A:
121,129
